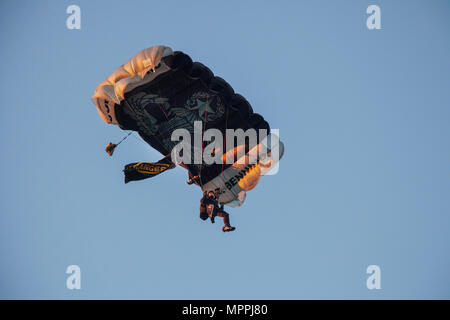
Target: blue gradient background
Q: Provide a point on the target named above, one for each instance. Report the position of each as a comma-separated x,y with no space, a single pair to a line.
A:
365,178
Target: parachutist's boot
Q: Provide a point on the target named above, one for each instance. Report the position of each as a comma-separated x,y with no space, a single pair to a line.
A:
212,220
228,228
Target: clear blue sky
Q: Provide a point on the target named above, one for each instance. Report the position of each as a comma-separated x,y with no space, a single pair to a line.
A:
365,179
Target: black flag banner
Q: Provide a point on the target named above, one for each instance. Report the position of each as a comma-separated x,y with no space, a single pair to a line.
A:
143,170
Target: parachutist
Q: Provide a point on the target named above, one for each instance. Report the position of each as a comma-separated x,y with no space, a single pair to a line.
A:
209,208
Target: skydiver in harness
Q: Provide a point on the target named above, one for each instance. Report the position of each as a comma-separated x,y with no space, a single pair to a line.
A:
209,208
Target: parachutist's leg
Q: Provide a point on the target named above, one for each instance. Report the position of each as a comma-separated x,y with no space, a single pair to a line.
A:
225,216
226,221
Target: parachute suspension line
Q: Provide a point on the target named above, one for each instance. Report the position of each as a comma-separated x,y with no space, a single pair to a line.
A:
159,104
224,148
110,147
129,133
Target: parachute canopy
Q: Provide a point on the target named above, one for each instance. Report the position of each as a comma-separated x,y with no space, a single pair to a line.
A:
160,90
